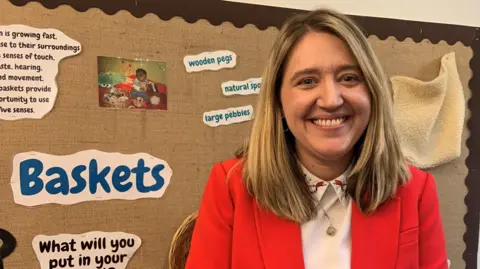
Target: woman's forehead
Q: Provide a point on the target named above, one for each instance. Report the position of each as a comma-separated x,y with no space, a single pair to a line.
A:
320,51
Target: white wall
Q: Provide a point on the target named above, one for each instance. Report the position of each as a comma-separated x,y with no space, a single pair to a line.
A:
460,12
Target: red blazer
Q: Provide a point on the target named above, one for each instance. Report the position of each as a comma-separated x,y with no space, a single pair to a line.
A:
232,232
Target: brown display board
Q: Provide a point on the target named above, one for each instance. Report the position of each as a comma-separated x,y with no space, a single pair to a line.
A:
177,134
422,61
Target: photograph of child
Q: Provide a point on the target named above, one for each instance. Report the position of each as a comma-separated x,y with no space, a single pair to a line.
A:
132,84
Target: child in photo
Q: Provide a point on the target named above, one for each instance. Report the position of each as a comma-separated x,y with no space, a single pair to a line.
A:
141,84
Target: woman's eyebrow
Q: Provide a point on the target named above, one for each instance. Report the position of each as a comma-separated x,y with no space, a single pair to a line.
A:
303,72
347,67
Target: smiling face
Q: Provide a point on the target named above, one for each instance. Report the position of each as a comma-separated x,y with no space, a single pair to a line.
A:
324,99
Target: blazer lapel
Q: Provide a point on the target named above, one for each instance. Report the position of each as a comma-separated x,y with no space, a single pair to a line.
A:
280,241
375,237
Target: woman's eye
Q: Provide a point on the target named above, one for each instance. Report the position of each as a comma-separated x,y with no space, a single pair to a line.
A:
349,78
306,81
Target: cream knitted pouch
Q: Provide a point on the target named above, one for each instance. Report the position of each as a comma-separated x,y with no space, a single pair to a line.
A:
429,115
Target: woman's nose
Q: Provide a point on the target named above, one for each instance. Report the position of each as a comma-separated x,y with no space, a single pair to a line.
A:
329,95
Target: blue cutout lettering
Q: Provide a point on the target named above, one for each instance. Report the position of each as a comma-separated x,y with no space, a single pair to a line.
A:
59,184
27,178
56,181
77,176
160,181
96,178
121,174
140,170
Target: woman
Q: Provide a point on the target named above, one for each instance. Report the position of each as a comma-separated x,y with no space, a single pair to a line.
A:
322,182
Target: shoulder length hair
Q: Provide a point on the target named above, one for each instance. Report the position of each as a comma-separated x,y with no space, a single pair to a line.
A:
271,172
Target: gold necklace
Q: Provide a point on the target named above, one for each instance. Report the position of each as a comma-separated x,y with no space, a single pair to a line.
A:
331,231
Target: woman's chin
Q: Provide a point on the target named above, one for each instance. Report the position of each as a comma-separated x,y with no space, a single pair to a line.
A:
332,151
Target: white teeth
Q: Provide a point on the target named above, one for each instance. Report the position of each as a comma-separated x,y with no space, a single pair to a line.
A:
328,123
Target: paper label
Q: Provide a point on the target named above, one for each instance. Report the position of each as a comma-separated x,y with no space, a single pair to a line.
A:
93,250
91,175
210,61
246,87
29,59
228,116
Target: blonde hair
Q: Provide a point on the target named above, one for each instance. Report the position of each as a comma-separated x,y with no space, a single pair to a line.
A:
271,171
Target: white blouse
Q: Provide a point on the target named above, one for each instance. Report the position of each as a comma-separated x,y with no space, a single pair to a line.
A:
321,250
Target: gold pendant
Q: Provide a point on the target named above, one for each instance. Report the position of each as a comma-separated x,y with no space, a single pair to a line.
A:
331,231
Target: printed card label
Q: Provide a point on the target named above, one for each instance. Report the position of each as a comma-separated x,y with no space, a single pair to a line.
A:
93,250
29,59
91,175
246,87
228,116
210,61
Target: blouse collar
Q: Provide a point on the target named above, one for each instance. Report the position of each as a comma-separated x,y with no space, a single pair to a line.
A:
319,186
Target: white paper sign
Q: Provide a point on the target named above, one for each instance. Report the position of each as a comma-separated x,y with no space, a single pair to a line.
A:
246,87
29,59
210,61
93,250
90,175
228,116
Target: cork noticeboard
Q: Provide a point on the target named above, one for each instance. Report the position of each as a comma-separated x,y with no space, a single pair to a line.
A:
177,134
